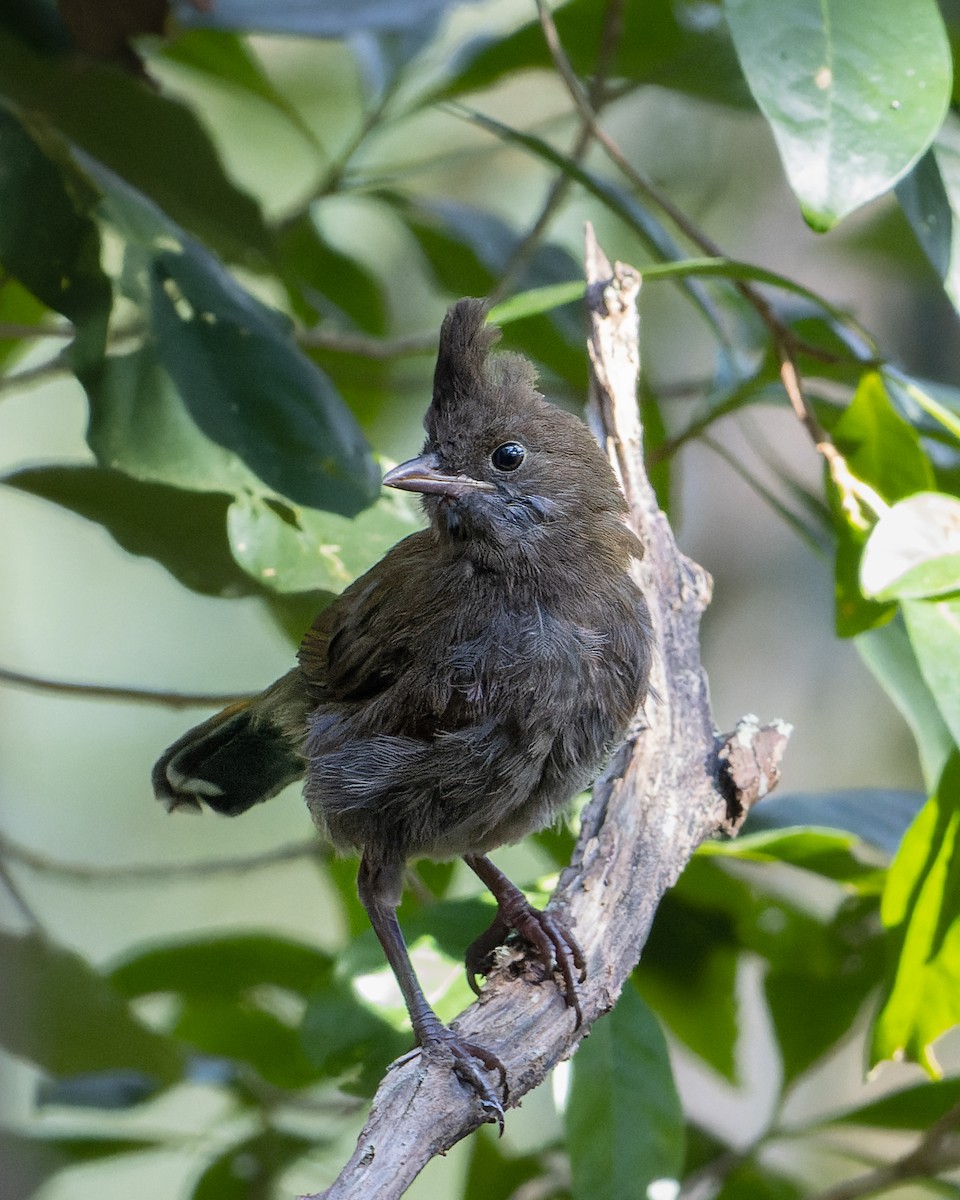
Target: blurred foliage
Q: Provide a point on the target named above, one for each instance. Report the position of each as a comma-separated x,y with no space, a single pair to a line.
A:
233,353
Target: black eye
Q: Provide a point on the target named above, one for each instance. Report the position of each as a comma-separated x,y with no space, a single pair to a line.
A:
508,457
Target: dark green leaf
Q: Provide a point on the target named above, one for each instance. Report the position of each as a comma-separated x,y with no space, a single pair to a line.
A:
657,45
921,908
623,1119
495,1172
750,1181
47,239
250,1169
834,985
323,282
912,1108
149,519
223,966
57,1011
831,854
18,307
250,389
930,197
854,90
878,816
244,1030
342,1035
152,142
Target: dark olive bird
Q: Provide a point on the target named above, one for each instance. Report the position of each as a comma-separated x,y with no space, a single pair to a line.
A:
456,696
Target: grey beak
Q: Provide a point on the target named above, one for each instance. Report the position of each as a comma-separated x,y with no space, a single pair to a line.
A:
423,474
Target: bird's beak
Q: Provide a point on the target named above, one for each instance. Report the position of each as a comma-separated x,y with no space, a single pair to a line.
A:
423,474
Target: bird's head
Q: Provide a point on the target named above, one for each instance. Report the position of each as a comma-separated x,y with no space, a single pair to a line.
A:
503,473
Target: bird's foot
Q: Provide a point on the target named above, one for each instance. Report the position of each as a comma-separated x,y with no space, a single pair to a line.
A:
468,1059
554,944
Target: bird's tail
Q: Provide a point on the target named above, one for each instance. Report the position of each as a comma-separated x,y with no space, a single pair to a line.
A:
245,754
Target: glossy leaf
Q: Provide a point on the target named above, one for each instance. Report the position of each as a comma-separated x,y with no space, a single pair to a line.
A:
913,551
912,1108
835,985
223,966
47,238
657,45
883,451
301,549
244,1030
930,198
921,908
878,816
854,90
233,361
59,1013
148,519
623,1119
113,117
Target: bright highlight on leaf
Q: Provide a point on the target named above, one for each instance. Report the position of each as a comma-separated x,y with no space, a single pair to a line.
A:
914,550
854,90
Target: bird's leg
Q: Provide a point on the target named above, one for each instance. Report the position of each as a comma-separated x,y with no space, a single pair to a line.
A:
555,945
379,885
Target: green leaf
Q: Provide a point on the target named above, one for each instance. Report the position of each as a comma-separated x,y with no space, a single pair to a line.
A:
656,46
31,1160
144,137
921,908
624,1121
57,1011
343,1036
750,1181
300,549
878,816
892,659
148,519
244,1030
913,551
223,966
822,851
912,1108
934,629
249,1170
883,451
930,198
18,307
317,20
324,282
854,90
47,239
233,361
493,1171
834,984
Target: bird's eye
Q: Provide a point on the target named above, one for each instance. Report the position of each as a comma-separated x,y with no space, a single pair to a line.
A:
508,457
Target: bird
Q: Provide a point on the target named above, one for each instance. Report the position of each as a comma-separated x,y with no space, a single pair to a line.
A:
456,696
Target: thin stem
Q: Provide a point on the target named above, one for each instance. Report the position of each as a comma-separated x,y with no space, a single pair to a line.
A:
151,873
97,691
18,898
855,495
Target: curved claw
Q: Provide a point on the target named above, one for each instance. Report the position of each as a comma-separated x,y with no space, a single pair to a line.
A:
556,947
466,1055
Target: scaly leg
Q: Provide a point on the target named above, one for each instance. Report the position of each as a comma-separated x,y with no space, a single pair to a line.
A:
555,945
379,888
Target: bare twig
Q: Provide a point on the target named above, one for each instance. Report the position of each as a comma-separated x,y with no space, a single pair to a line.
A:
148,873
99,691
855,495
666,791
938,1150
